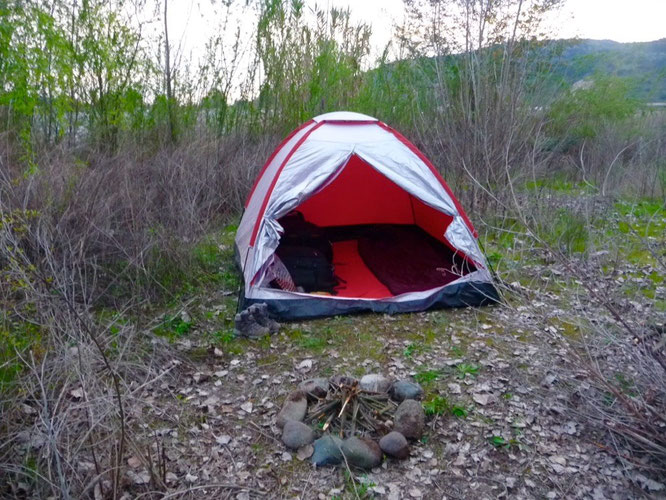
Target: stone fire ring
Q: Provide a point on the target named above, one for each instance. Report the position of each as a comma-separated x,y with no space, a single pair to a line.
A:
343,420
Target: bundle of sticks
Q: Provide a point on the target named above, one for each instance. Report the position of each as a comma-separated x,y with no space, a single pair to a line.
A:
349,410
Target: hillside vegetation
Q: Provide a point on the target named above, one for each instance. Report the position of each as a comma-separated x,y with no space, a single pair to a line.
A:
123,172
643,63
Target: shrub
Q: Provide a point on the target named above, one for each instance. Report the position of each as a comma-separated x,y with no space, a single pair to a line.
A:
581,112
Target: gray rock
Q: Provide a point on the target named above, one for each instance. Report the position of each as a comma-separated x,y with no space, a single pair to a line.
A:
294,408
296,434
314,387
404,389
395,445
409,419
375,382
363,453
343,380
327,451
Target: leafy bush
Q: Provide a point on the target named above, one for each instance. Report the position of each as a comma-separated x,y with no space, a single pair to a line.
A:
580,113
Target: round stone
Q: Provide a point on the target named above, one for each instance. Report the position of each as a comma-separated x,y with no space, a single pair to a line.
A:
405,389
362,453
395,445
296,434
375,382
343,380
409,419
294,408
314,388
327,451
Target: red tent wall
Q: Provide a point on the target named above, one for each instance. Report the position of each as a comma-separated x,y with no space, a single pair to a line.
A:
361,195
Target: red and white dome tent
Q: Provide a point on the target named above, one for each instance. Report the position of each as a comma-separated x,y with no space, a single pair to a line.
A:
399,239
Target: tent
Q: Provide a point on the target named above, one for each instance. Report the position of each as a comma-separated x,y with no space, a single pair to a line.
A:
396,238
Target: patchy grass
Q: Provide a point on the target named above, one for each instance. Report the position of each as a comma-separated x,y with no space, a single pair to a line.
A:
421,346
173,327
565,231
560,184
17,338
427,377
464,370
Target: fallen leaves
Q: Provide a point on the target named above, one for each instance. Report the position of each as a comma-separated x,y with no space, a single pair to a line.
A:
304,366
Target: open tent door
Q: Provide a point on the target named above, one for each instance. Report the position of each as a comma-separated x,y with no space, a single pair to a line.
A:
384,241
347,192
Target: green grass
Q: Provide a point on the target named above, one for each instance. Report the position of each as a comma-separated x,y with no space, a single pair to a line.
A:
559,184
173,327
426,377
566,231
312,343
437,404
16,338
642,209
464,370
228,342
415,348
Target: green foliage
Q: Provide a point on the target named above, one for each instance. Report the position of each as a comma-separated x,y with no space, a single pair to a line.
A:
494,258
502,443
458,411
436,405
566,231
466,369
559,184
308,70
313,343
642,209
644,61
579,113
360,489
16,339
427,376
415,348
440,405
229,342
394,90
173,327
498,442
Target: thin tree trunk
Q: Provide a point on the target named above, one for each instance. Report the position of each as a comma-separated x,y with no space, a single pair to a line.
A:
169,91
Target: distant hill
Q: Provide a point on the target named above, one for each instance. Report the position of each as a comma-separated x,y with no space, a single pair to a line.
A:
570,61
643,62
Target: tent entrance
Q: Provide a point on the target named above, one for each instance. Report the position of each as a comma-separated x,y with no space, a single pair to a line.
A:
379,240
371,261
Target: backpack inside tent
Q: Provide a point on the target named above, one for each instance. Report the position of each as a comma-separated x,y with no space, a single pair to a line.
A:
346,216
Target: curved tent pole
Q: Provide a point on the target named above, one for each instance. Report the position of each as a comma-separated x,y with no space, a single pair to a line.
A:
435,172
270,158
262,210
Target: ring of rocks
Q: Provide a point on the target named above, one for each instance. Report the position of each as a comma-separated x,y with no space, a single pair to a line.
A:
343,420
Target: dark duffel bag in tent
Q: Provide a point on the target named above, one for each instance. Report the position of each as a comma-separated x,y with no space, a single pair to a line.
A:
300,233
309,268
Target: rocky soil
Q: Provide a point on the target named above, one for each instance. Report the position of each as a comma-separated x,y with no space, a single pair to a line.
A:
498,392
509,401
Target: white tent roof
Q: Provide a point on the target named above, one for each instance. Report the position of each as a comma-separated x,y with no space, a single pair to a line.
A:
344,116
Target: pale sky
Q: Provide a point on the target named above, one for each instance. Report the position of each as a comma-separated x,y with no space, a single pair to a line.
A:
620,20
193,22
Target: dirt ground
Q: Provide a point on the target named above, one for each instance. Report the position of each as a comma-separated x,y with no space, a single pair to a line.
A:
515,434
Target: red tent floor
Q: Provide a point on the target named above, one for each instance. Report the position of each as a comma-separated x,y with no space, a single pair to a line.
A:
359,281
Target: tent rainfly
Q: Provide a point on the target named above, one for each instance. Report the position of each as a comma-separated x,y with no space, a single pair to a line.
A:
346,216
